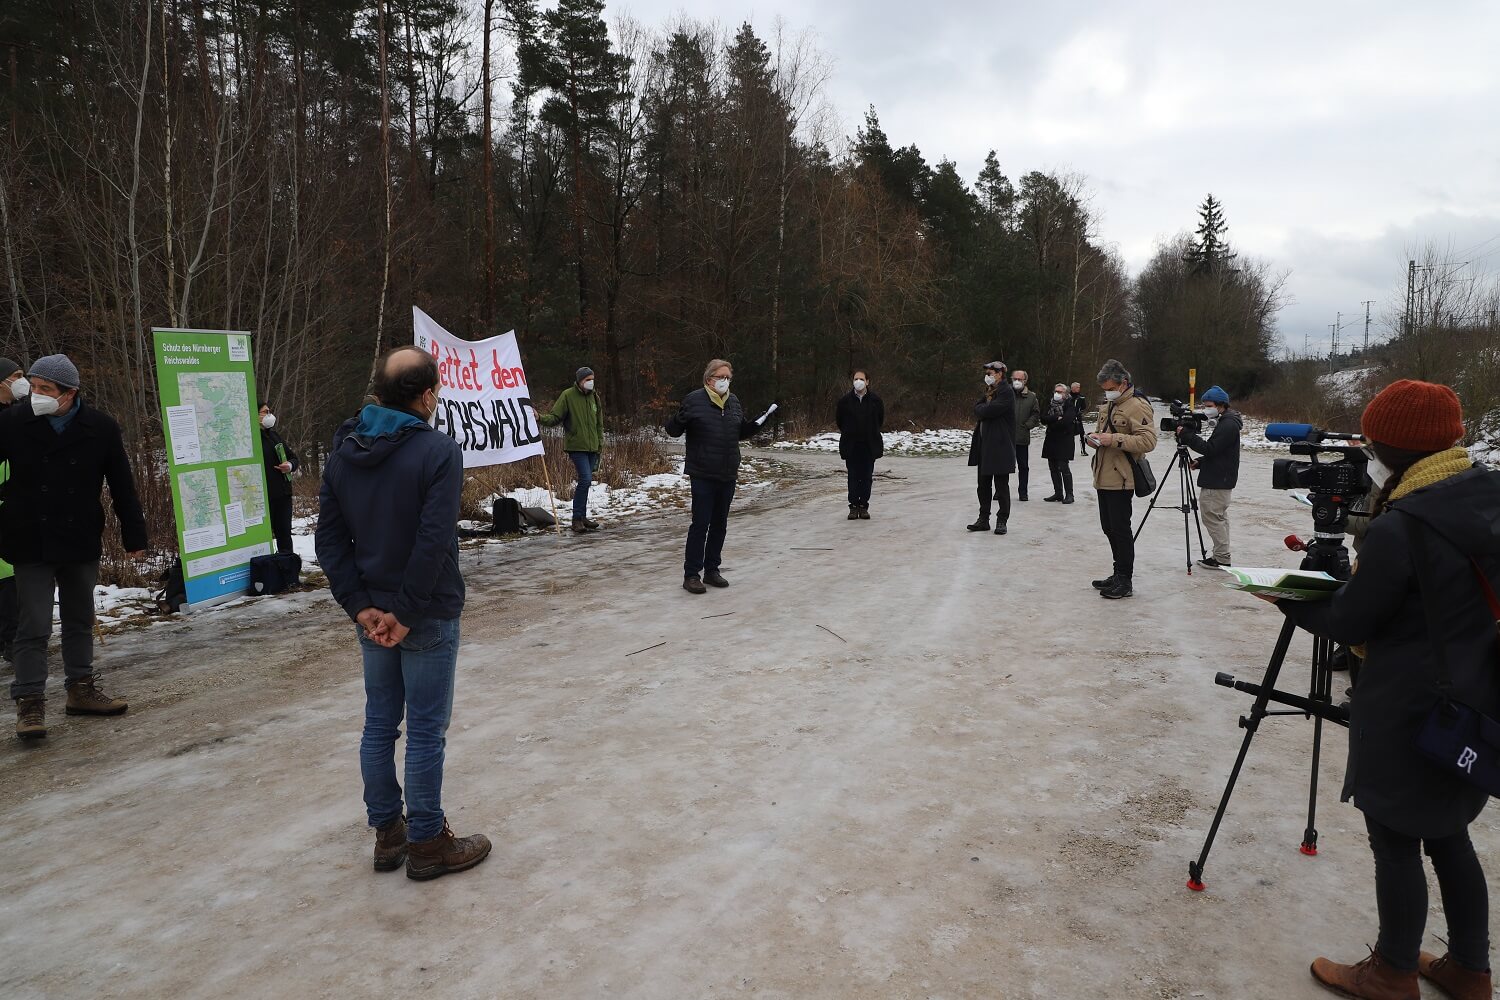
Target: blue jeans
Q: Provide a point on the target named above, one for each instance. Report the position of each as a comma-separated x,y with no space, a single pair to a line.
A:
705,541
587,463
414,678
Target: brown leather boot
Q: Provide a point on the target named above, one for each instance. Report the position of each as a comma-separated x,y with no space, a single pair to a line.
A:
1372,979
31,718
1455,980
445,854
390,845
84,698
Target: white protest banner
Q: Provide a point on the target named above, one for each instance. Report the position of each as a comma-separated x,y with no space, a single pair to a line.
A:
484,403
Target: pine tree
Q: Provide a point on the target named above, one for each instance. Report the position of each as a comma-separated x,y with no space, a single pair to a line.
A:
996,193
1209,251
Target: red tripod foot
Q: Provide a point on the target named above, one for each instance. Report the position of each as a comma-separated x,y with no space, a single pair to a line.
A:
1195,885
1311,850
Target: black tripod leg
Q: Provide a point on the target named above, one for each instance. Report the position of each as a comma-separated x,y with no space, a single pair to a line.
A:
1197,519
1161,485
1250,723
1185,487
1321,689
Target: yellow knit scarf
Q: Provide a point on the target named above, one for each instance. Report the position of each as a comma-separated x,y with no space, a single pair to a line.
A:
1432,470
718,400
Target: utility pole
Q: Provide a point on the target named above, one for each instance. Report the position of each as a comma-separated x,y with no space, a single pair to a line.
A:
1338,324
1366,304
1333,329
1411,285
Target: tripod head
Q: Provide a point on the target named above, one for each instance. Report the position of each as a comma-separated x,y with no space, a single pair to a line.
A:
1326,552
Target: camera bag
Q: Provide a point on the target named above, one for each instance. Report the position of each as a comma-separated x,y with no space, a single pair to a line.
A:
272,574
1456,737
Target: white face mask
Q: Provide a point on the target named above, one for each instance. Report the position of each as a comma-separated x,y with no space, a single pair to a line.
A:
859,385
268,421
588,385
989,380
20,389
1017,384
1111,394
1380,473
43,406
1210,412
1057,397
436,402
721,386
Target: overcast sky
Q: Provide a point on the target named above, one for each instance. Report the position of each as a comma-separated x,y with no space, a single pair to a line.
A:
1339,136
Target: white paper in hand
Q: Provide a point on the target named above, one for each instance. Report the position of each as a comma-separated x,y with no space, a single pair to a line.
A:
762,418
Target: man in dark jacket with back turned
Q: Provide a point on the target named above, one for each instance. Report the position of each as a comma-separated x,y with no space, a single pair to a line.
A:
860,415
1218,471
61,453
715,424
388,542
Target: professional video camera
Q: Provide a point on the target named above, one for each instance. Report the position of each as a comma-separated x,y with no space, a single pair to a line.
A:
1182,416
1334,486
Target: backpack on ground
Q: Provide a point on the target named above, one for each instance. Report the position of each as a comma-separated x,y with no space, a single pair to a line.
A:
275,573
172,596
506,516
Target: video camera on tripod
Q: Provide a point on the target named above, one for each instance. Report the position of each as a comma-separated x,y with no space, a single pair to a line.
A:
1183,416
1334,486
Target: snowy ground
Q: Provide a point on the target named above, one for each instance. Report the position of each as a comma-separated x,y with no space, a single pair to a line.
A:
938,441
893,760
662,491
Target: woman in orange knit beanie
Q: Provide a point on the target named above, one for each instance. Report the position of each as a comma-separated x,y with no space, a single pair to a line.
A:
1416,588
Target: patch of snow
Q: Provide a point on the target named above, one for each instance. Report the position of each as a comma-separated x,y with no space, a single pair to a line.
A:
659,491
1350,387
938,441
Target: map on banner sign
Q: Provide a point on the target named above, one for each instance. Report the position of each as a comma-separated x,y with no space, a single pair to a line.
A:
246,490
221,409
202,516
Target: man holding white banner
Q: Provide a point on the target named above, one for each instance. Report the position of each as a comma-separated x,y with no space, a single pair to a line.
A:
485,404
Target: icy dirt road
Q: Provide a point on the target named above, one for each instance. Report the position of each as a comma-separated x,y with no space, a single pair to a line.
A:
989,786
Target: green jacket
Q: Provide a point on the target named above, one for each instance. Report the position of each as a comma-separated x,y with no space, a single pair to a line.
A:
582,416
1028,416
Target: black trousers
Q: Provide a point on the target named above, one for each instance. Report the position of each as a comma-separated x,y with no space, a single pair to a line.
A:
1401,896
861,479
1023,467
1114,518
9,611
1062,476
995,488
281,521
705,540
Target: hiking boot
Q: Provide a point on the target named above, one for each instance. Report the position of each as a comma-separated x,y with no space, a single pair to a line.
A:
580,526
1000,528
86,699
1022,497
853,513
1069,499
1054,498
864,513
591,525
715,579
31,718
693,585
1106,583
1371,979
1455,980
1115,591
983,524
445,854
390,845
1212,563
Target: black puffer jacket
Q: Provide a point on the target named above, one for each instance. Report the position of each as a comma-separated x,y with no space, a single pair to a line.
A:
52,512
713,434
1061,420
993,445
1381,606
1219,468
860,422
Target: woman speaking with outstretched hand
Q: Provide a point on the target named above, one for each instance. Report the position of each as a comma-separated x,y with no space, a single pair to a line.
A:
1421,604
715,424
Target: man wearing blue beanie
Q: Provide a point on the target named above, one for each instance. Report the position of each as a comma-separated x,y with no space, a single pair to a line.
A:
1218,471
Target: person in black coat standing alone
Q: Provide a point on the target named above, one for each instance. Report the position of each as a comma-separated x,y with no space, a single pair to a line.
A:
993,447
1060,418
1420,602
61,454
715,424
281,463
861,417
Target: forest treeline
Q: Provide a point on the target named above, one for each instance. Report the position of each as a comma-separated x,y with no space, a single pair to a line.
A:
637,198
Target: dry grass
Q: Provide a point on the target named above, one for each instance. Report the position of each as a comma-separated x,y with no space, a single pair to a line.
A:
625,459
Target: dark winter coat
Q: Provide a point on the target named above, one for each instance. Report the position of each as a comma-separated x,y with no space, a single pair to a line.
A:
1028,414
278,483
1080,410
993,445
713,434
1219,468
51,511
860,422
388,517
1061,421
1381,606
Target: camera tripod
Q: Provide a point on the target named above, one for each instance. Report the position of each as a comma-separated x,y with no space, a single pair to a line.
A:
1326,554
1187,494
